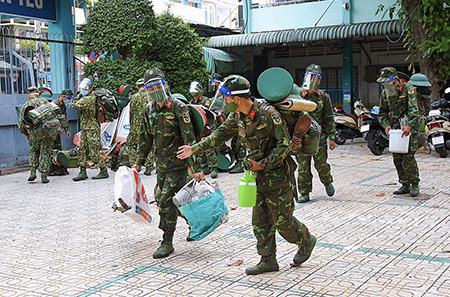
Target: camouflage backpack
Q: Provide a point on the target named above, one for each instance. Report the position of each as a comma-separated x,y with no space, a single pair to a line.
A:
107,108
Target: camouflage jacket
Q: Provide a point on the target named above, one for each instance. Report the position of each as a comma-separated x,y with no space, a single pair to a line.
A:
323,113
23,127
403,105
62,116
167,128
264,131
88,112
137,113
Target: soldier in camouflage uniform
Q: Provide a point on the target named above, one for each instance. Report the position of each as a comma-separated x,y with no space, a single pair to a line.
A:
237,146
41,139
398,110
90,133
267,137
167,125
209,159
423,90
324,117
137,112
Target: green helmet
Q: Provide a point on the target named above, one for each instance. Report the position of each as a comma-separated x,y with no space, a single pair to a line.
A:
275,84
235,85
387,74
153,73
419,80
45,92
314,68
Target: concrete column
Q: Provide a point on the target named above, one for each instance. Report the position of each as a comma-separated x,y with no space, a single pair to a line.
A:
247,11
61,54
347,75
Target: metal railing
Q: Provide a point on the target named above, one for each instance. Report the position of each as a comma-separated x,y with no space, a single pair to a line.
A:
25,58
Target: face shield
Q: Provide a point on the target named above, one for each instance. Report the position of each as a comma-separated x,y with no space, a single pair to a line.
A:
390,89
156,90
213,84
311,80
85,86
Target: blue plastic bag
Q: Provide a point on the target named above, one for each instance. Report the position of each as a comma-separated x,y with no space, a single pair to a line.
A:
205,214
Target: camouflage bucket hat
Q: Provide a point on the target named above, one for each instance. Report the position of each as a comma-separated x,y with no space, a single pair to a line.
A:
387,74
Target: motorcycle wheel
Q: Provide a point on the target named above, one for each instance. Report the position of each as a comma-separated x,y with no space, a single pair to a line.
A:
373,145
340,139
442,152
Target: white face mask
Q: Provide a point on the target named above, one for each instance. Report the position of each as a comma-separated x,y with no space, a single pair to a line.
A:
84,92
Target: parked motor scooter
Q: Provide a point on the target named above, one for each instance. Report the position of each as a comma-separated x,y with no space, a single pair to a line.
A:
438,126
374,132
347,127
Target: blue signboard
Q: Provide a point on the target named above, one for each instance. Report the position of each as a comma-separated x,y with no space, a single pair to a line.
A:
35,9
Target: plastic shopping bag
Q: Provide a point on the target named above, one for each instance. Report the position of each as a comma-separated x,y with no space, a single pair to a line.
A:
203,206
129,195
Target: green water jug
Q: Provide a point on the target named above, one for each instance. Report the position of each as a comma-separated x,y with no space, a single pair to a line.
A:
247,190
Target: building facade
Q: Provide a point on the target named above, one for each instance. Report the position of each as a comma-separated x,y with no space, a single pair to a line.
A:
347,38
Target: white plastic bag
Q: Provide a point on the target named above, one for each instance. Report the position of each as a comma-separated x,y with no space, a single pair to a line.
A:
129,195
192,191
397,143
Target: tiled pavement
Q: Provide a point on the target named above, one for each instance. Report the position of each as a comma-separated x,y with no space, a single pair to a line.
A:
62,239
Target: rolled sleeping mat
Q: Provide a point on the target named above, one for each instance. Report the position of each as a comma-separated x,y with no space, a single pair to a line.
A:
66,159
199,119
296,104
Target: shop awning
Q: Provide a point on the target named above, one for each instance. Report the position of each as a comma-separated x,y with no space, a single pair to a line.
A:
222,62
308,34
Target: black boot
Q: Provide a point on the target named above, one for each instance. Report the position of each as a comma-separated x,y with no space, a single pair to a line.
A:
403,190
267,264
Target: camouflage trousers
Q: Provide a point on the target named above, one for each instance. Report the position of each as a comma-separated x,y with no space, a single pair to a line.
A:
132,155
406,165
274,211
320,163
208,160
167,185
40,153
90,149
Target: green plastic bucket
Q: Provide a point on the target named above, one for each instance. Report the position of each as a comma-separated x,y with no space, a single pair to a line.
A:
247,190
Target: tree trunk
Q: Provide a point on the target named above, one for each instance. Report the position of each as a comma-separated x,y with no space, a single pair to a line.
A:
427,65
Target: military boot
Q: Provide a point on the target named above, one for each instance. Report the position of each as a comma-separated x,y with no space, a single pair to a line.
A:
148,171
414,190
214,173
329,189
102,174
44,178
81,176
404,189
33,175
237,168
304,198
303,254
267,264
166,247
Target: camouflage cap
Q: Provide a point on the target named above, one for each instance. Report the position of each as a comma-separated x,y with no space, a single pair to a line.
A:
153,73
235,85
140,82
314,68
387,73
215,76
419,80
67,92
32,89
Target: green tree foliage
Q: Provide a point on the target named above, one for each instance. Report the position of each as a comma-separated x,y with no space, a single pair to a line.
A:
426,36
180,51
121,26
111,74
142,41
